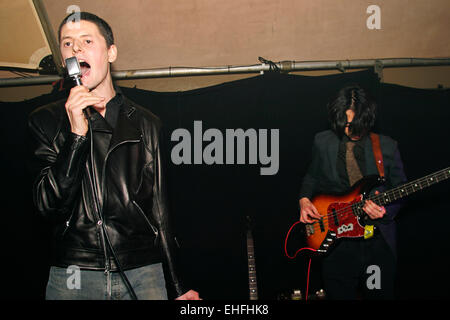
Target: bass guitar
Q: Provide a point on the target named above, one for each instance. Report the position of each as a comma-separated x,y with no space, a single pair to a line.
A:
343,215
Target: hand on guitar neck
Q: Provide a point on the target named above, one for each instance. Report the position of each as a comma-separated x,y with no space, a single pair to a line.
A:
373,210
309,213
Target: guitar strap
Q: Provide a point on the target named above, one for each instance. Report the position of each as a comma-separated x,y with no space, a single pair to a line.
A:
375,138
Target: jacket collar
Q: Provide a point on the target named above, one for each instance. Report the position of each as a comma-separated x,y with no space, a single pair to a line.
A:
371,166
99,124
333,154
127,127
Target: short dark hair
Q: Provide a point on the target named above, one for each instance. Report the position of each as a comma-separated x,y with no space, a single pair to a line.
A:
102,25
357,99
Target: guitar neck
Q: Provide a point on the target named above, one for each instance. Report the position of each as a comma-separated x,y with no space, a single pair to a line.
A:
410,187
253,286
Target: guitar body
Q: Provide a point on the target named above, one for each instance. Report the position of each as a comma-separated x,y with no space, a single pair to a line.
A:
343,215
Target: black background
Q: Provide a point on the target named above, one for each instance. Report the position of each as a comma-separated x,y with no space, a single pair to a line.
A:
209,203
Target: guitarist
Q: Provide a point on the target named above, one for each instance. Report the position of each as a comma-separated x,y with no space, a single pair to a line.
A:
341,157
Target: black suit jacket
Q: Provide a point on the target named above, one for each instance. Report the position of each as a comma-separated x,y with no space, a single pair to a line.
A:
322,175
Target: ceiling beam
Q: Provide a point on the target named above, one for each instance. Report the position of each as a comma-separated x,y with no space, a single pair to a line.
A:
283,66
49,34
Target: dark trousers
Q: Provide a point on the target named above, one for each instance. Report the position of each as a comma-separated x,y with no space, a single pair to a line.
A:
360,269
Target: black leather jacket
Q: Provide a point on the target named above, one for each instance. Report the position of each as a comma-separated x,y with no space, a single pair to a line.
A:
133,213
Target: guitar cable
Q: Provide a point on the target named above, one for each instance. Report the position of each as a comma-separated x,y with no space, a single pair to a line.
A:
298,251
307,279
285,243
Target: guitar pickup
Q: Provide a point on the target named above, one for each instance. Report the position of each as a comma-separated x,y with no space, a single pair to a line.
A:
322,226
335,218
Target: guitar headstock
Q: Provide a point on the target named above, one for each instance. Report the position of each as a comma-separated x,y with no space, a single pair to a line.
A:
249,222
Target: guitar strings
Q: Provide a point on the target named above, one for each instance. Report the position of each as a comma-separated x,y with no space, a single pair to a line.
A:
348,210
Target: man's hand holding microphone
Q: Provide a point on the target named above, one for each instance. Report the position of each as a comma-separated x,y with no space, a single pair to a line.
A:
80,98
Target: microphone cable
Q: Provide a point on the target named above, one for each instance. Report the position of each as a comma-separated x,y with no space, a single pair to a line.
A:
130,289
74,71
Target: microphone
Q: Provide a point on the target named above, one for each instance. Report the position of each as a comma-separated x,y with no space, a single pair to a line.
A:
74,71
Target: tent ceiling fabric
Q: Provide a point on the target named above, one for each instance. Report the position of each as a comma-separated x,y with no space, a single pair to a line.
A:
199,33
22,38
155,34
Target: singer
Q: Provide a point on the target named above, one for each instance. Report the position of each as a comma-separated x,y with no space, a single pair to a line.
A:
100,182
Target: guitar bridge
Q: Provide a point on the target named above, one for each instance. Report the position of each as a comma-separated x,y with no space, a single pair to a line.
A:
309,229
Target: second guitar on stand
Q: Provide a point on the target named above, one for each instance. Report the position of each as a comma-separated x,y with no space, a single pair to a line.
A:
252,283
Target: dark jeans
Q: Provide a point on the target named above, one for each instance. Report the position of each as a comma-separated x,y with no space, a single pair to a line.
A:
360,269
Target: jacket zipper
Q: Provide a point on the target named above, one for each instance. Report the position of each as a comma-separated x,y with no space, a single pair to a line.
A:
67,225
155,230
107,264
99,224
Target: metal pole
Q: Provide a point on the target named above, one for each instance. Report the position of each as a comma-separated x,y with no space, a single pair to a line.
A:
284,66
50,36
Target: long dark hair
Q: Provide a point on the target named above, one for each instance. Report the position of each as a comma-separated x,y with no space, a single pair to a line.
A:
357,99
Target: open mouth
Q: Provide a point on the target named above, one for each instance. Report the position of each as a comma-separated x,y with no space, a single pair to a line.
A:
85,68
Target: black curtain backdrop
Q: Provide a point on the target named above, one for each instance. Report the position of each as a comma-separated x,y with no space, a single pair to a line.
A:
209,203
